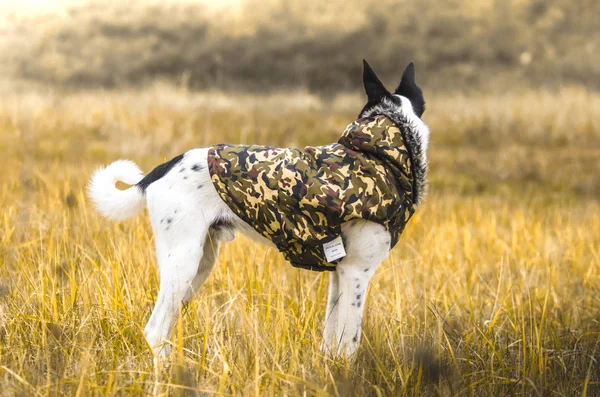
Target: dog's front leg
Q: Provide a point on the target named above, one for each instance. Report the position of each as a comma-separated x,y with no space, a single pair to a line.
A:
353,283
367,245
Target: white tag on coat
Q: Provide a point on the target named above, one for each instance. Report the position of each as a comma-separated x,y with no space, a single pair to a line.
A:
334,249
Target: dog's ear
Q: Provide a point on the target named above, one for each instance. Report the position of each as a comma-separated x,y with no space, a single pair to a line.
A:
408,88
373,87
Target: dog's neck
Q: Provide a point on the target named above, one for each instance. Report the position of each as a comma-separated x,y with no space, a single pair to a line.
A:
415,135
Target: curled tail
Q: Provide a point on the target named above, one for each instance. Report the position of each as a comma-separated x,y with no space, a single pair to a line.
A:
114,203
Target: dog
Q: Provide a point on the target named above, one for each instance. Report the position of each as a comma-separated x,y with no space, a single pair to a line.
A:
339,207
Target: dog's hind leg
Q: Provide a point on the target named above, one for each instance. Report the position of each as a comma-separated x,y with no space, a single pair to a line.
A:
367,245
205,267
182,206
209,257
178,266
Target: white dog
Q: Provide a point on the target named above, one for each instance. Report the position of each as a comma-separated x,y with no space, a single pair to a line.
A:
339,207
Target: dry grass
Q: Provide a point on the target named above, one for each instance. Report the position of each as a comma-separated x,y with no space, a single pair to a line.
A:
492,290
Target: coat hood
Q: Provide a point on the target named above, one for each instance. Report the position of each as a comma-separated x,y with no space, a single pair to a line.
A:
391,138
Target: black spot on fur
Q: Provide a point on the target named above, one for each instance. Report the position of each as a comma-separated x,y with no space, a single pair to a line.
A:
197,167
158,173
185,177
353,304
182,169
169,220
357,285
200,186
175,212
367,269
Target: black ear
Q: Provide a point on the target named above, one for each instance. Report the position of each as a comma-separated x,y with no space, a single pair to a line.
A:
408,88
373,87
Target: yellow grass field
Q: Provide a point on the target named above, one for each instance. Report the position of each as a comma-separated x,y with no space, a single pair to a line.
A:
493,289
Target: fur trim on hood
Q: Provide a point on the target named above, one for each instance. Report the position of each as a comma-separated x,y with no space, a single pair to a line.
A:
416,138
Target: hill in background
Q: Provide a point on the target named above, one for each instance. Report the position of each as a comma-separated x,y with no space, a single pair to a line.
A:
275,44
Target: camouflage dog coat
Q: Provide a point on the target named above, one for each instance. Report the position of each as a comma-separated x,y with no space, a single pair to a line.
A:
299,199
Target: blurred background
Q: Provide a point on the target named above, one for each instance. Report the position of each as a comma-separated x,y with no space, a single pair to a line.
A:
492,289
512,82
266,45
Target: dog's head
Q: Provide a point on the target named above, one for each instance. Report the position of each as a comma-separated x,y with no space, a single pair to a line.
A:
407,88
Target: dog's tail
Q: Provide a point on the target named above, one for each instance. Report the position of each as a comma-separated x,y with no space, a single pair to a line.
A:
114,203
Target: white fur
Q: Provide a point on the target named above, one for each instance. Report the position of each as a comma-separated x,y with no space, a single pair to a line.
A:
367,245
420,128
114,203
183,205
181,214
